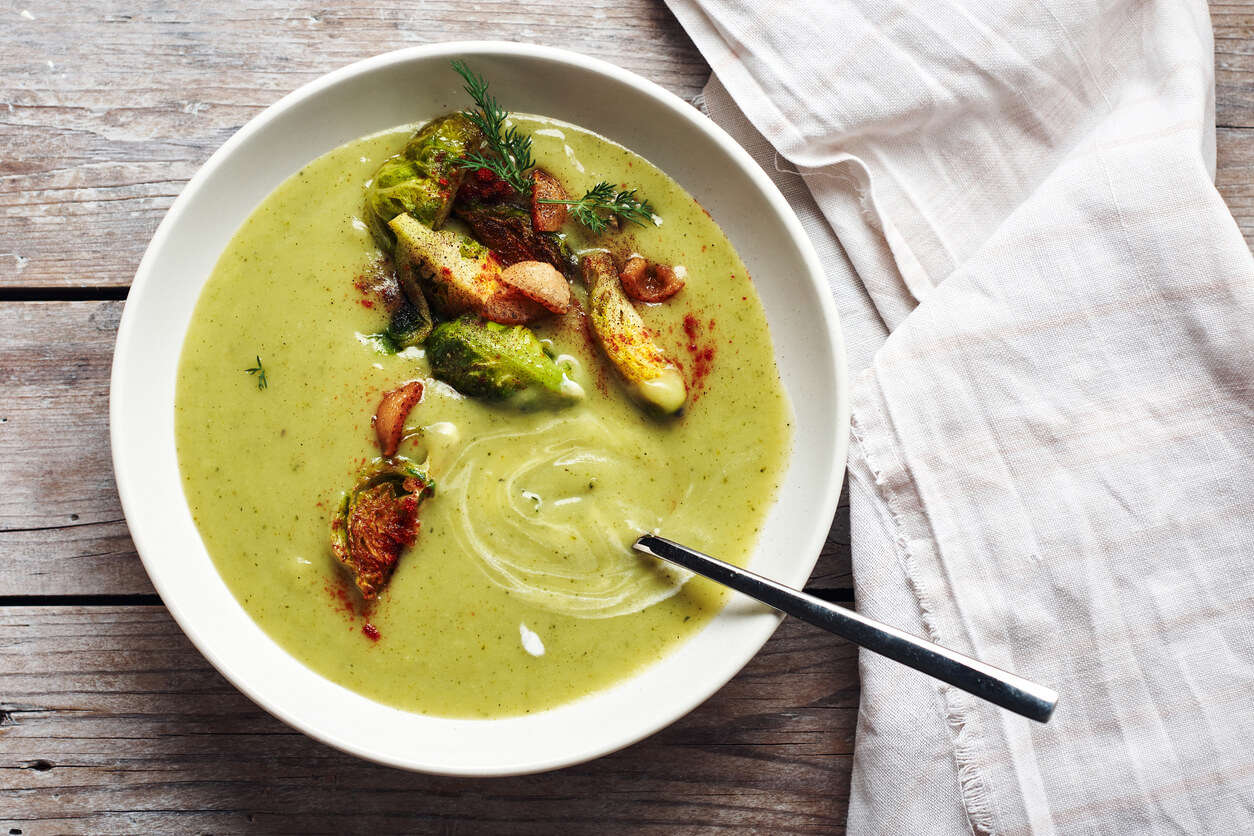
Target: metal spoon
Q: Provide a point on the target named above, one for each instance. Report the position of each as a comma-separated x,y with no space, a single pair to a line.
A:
1015,693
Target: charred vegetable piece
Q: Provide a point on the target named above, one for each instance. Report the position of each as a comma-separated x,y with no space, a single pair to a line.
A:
410,324
506,229
498,363
540,282
651,378
647,282
458,274
424,177
389,418
378,519
547,217
503,222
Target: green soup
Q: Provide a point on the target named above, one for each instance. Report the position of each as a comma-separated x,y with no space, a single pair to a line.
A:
522,591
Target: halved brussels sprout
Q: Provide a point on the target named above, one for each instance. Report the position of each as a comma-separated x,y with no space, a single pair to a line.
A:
498,362
651,378
457,273
377,519
424,177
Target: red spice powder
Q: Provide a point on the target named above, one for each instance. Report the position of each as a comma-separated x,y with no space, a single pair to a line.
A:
346,601
702,355
702,364
690,327
342,598
377,282
485,187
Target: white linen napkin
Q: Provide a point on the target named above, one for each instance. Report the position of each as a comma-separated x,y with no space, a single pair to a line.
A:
1053,449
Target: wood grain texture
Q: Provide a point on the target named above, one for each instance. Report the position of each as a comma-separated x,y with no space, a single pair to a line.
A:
61,527
1233,25
108,108
111,722
54,394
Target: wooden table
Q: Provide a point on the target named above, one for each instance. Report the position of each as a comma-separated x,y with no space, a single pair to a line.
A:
109,720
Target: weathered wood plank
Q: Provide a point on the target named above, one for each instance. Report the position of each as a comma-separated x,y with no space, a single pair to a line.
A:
111,108
61,528
94,149
1234,175
54,392
1233,25
87,559
110,721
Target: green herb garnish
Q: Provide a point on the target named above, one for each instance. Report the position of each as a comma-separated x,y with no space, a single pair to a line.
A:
509,151
602,198
260,373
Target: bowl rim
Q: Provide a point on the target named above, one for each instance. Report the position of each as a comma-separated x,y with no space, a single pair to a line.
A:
680,109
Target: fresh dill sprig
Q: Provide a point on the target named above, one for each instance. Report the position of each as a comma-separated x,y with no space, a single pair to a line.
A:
501,168
602,198
510,156
260,372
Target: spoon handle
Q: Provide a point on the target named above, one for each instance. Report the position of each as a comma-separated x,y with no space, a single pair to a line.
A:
1000,687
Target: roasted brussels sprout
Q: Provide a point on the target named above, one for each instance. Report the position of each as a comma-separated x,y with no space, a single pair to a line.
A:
508,230
377,519
457,273
504,221
424,177
498,363
652,379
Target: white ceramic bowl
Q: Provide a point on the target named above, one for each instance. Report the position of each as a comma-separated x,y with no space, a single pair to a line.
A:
379,93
